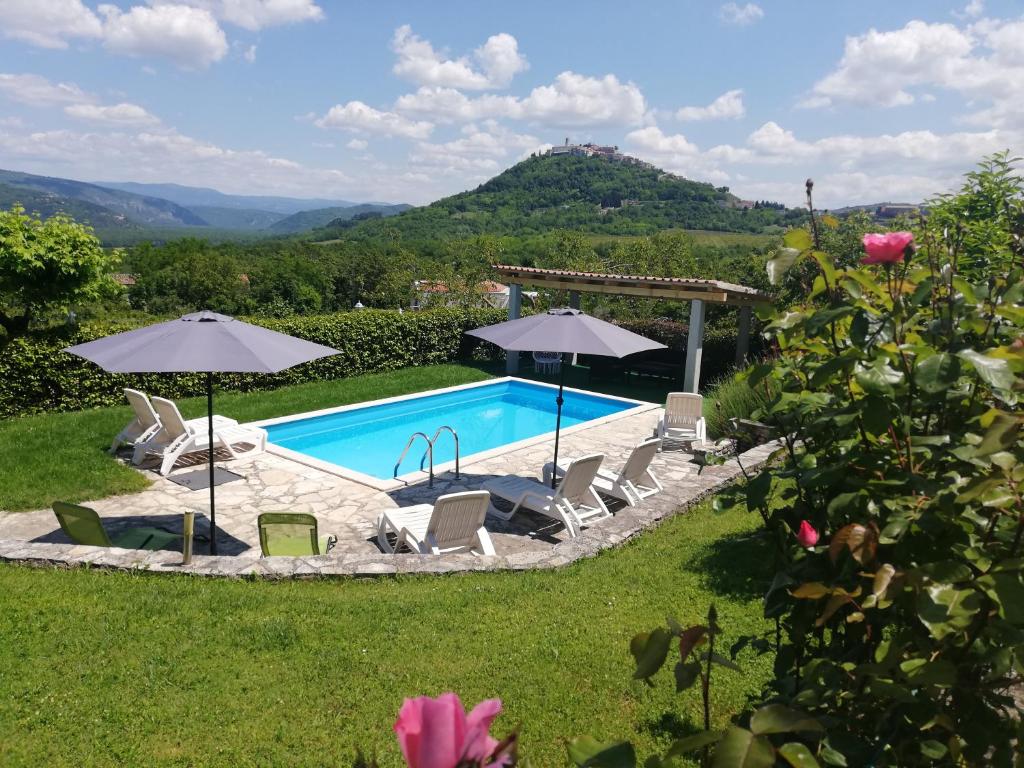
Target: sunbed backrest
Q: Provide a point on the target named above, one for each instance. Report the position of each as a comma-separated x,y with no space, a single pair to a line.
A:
288,533
683,409
580,476
640,459
143,410
457,517
81,524
170,417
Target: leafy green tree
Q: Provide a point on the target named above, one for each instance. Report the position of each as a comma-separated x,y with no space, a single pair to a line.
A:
48,265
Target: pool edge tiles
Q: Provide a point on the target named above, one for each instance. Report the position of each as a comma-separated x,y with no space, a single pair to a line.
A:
376,483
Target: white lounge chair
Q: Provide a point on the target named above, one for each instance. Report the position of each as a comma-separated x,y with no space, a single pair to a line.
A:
683,418
575,502
146,422
176,437
633,484
453,523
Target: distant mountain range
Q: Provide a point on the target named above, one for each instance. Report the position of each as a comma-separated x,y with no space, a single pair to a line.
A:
126,212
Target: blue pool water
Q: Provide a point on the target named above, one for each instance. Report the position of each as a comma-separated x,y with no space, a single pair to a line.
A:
370,439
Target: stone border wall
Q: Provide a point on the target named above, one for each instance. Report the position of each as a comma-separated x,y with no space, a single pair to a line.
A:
604,535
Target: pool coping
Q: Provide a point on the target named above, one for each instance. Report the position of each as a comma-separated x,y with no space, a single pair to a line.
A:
416,476
604,535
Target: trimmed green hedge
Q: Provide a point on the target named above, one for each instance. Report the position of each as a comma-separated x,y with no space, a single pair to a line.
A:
35,375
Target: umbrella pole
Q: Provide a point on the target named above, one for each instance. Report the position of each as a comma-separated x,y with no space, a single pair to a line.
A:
558,421
209,432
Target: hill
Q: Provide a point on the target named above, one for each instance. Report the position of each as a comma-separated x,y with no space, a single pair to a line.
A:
591,194
303,221
190,197
125,208
242,219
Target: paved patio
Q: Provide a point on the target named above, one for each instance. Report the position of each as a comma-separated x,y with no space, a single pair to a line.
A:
349,509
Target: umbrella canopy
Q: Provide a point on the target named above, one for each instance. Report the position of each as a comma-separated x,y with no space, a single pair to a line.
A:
201,342
565,330
568,331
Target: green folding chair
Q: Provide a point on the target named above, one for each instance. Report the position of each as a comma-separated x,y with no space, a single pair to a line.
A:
83,526
291,534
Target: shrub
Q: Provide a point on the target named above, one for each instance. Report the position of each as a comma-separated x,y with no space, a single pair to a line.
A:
730,397
35,375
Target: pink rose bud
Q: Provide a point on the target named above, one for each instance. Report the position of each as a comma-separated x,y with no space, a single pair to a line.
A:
807,536
887,247
437,733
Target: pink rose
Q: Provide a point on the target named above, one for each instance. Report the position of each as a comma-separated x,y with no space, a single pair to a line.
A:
437,733
807,536
886,248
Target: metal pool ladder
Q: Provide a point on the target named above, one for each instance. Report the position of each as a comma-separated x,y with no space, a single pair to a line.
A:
429,454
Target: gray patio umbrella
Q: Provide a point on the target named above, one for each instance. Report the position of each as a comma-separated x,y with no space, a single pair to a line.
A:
568,331
201,342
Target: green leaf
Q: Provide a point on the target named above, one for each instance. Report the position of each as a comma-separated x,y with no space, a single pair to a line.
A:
780,264
739,748
686,675
992,370
724,662
1007,591
932,749
650,650
777,718
879,379
945,610
587,752
757,490
798,238
923,672
692,743
1000,436
936,374
798,755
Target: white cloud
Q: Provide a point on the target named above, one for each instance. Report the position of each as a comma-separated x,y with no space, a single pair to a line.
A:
733,13
359,117
728,106
250,54
498,60
48,23
114,114
983,61
972,10
257,14
188,36
572,100
578,100
358,144
37,91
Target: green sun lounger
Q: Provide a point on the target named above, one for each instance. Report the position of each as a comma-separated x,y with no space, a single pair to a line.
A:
83,526
291,533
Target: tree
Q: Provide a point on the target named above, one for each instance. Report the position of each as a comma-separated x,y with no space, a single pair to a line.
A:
47,265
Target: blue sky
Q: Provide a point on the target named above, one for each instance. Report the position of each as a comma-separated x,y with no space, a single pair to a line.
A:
410,101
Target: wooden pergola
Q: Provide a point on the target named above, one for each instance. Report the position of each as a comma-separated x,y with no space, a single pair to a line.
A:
697,292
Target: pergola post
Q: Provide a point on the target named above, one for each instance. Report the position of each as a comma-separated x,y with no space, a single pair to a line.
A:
694,347
515,303
574,299
743,337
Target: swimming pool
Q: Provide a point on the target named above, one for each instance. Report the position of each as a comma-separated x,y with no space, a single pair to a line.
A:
368,439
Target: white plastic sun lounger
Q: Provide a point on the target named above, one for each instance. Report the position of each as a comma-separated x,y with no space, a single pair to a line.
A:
683,418
575,502
453,523
176,437
146,422
633,484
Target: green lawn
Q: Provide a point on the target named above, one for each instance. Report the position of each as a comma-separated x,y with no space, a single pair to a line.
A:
114,669
63,456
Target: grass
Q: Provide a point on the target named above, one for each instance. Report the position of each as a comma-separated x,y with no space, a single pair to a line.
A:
115,669
53,456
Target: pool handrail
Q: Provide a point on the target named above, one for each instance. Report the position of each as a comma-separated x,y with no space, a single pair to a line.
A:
433,440
430,453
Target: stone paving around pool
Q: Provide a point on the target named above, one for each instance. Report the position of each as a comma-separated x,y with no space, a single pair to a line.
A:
349,510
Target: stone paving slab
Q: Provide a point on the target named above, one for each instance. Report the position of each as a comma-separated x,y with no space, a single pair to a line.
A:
349,510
